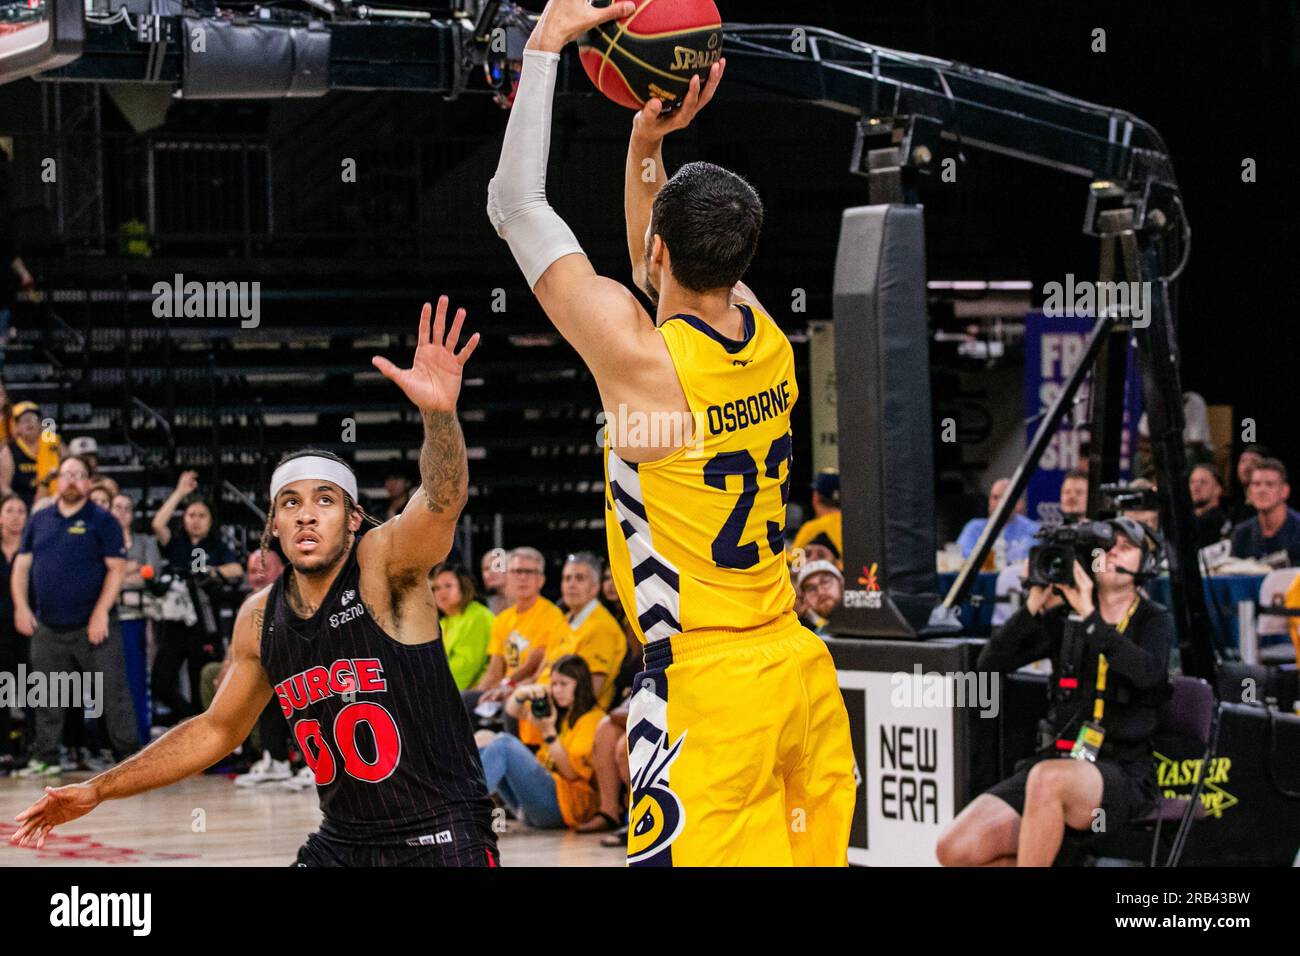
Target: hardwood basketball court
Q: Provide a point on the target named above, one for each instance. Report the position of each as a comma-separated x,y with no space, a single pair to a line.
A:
208,821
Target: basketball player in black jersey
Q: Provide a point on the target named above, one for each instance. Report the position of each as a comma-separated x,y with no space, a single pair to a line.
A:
347,641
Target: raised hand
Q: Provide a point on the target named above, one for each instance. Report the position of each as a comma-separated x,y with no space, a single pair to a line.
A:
59,805
188,483
565,20
652,123
432,383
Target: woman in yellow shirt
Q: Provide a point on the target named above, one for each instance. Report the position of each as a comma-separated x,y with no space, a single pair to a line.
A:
553,788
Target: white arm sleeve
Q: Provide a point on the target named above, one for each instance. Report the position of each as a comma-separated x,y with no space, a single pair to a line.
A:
516,204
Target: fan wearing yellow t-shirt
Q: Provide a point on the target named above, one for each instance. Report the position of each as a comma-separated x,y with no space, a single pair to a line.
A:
821,537
522,632
593,634
29,460
555,787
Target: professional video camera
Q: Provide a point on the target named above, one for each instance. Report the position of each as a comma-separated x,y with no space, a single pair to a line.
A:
1052,562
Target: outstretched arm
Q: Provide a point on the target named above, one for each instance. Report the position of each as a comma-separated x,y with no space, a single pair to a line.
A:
645,173
421,535
600,318
196,744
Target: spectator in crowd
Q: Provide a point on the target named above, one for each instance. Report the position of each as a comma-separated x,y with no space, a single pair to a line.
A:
1198,445
800,605
466,624
141,552
14,646
613,777
826,527
592,634
1238,506
521,632
29,461
1211,523
200,547
609,598
1151,517
397,485
87,449
201,558
1074,494
1017,534
264,567
268,736
554,788
633,655
73,560
101,495
816,550
6,414
271,735
822,585
492,569
1275,526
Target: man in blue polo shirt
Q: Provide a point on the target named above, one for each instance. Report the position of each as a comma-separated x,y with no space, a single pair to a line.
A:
1018,532
1275,527
72,561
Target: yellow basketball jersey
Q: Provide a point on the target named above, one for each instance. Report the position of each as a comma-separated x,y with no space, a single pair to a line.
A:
695,539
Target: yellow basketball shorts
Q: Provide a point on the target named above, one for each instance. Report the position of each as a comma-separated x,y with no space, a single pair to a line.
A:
739,752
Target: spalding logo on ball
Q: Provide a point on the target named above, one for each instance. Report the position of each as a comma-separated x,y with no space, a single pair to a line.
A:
654,51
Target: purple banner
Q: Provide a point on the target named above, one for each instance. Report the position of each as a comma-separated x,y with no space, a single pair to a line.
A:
1054,346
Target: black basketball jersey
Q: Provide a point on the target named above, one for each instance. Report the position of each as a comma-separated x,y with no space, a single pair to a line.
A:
380,722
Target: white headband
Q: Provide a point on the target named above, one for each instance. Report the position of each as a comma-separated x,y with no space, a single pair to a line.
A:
313,466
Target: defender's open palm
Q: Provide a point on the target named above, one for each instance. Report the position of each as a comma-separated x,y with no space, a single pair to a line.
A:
432,382
59,805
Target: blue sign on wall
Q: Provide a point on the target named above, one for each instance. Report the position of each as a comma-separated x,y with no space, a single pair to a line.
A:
1054,346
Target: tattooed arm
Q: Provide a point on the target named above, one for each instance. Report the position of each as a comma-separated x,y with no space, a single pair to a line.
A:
444,471
412,542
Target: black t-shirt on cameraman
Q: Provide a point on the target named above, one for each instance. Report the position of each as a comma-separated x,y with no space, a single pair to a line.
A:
1137,679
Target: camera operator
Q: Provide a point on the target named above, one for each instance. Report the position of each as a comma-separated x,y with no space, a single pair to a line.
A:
1109,648
554,788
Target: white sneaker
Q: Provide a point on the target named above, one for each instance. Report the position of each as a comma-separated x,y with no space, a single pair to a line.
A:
265,770
39,768
304,779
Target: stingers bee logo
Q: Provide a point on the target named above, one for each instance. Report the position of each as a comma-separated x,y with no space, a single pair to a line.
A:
657,814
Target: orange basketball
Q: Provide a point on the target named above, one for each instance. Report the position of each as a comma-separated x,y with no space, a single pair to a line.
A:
653,52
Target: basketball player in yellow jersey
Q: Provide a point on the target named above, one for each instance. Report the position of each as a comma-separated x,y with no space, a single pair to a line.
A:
738,740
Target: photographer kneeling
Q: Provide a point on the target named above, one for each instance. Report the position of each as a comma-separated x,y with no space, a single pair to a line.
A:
1109,648
554,788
